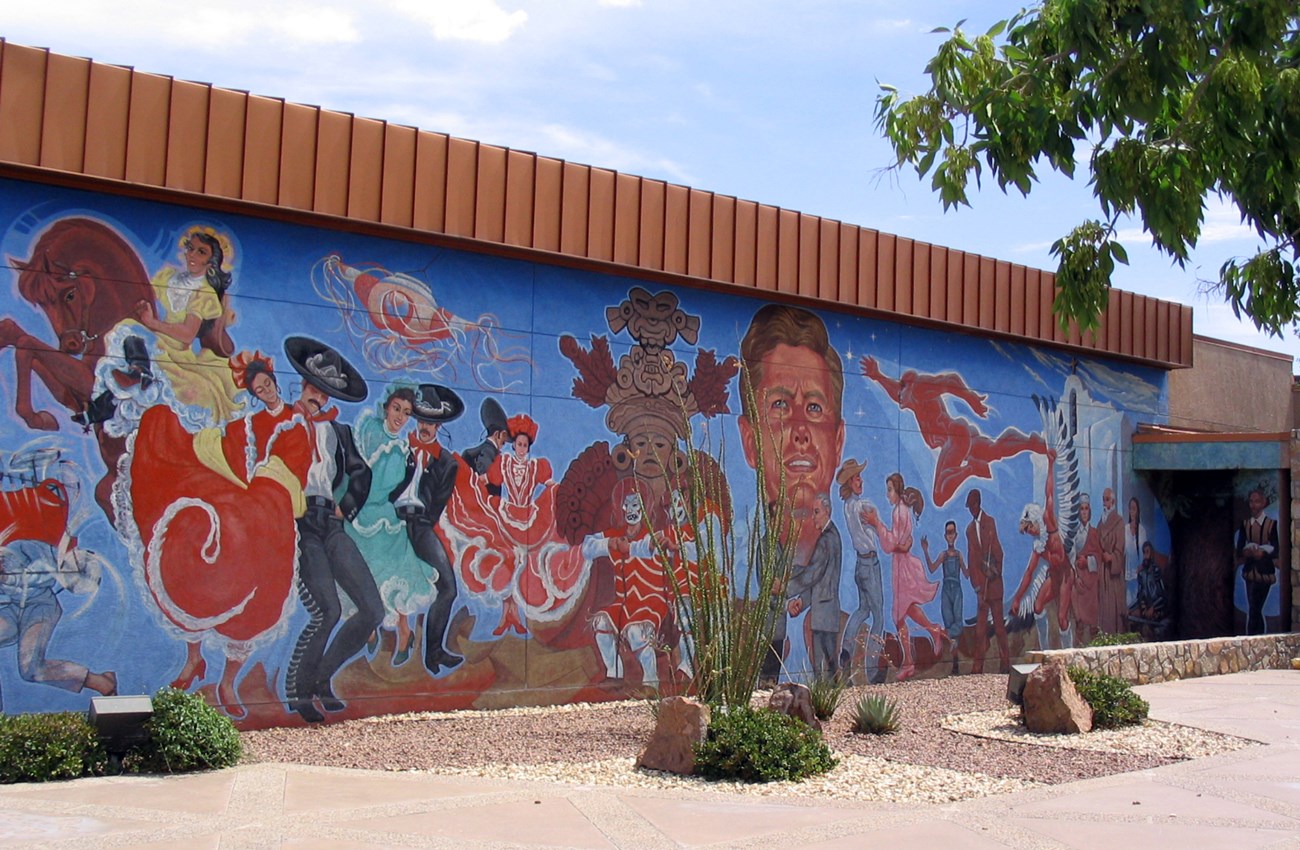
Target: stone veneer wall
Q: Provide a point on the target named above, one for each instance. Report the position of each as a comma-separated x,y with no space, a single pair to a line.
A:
1143,663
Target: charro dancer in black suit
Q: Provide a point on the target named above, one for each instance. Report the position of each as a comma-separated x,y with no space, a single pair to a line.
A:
420,499
328,560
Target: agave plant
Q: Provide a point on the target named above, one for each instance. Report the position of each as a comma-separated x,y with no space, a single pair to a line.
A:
875,715
825,691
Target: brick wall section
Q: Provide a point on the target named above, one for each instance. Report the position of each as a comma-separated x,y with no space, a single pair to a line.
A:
1144,663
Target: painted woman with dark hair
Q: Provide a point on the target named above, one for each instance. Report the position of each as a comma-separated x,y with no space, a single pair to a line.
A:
1135,534
527,503
188,306
912,588
214,526
405,582
212,333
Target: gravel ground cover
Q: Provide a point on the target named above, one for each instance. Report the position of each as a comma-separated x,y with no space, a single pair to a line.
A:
958,740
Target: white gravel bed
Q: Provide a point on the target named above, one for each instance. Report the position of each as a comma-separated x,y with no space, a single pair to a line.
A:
855,778
1151,737
496,713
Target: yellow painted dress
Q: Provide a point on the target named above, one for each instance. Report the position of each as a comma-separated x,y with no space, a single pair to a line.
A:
200,378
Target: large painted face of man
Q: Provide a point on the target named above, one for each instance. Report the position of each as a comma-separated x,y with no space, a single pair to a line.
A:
796,404
1256,502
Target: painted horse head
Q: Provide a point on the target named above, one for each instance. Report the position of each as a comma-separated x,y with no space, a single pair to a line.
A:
86,278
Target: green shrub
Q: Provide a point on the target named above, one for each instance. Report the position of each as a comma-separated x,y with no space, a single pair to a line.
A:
1120,639
875,715
758,745
41,747
185,733
825,693
1113,701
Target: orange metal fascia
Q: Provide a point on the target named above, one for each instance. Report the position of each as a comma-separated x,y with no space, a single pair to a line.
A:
77,122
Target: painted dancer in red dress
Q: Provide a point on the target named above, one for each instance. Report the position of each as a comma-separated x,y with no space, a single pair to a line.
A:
215,513
506,547
964,451
522,507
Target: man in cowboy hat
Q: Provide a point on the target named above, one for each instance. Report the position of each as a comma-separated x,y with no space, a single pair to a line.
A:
866,572
338,483
420,498
481,456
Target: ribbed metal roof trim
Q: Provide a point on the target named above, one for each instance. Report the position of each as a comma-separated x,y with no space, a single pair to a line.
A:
77,116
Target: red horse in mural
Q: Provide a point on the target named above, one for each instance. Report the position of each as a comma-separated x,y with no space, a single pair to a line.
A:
85,278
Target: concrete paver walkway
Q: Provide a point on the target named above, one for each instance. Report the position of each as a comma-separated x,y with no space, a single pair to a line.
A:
1244,800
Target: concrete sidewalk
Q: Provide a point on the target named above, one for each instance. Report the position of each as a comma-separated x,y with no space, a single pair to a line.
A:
1242,800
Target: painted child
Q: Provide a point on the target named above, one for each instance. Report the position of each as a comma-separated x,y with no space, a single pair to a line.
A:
954,567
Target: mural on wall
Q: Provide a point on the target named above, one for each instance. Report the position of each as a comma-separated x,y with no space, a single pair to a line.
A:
309,486
1257,551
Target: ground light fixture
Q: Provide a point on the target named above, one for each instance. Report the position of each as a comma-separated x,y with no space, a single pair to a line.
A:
120,721
1016,681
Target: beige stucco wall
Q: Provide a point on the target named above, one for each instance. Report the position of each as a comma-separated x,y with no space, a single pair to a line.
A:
1232,388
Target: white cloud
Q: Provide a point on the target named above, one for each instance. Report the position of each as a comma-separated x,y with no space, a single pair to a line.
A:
213,28
888,25
591,148
623,4
1032,247
1223,223
483,21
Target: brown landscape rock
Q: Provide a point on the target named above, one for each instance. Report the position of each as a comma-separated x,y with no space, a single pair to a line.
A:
682,723
1052,704
796,701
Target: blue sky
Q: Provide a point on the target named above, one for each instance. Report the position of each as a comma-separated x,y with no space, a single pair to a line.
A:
768,101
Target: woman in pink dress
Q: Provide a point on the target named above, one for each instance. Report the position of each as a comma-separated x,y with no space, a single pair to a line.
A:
912,588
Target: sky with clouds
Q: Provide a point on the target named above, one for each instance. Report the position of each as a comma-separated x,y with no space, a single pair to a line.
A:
766,100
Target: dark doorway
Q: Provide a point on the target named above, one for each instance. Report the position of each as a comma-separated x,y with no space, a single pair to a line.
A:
1198,505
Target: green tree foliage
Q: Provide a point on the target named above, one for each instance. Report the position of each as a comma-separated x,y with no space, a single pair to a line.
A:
1177,100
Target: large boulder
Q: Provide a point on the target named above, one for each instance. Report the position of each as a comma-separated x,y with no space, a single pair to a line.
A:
682,724
1052,704
796,701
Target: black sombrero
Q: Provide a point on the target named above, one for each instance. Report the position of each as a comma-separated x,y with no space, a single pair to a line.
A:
325,369
437,404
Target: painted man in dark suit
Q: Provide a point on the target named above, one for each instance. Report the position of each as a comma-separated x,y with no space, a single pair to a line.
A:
420,499
816,586
1257,549
984,560
480,457
338,483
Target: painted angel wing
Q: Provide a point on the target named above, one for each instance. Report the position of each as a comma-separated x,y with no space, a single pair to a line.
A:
1060,428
